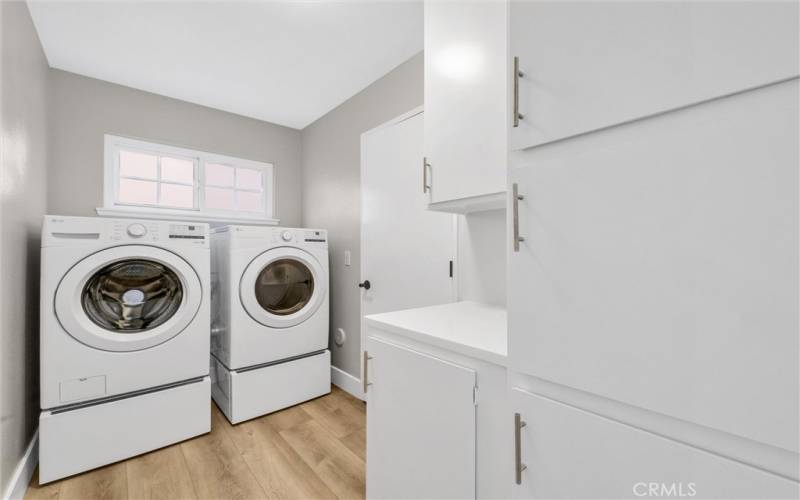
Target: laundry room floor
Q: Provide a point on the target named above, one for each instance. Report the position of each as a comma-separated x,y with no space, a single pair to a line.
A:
313,450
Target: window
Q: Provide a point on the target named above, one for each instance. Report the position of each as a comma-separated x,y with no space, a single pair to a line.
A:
164,181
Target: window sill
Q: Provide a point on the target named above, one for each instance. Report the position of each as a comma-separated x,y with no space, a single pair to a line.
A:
181,215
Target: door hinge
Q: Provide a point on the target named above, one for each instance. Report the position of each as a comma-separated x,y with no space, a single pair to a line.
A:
475,395
451,268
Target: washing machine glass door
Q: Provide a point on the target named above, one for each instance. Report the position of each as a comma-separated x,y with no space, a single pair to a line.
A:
128,298
283,287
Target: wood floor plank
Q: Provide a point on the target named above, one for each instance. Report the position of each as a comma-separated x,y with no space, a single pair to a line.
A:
337,416
342,395
337,466
288,418
36,491
357,443
280,471
107,483
161,474
216,466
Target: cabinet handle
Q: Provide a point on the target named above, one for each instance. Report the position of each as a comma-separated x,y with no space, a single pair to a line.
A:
425,165
365,376
518,465
517,75
515,209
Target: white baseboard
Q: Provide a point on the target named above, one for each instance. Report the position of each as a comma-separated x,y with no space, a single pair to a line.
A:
21,478
347,382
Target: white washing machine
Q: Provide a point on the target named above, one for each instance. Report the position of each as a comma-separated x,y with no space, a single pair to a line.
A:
124,339
269,326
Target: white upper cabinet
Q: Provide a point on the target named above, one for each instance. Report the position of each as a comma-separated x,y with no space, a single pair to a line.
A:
466,109
659,264
590,65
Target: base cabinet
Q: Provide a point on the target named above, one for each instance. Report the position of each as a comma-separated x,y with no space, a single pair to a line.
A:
572,453
420,424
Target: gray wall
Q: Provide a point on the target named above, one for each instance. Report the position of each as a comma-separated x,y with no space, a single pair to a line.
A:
332,188
83,109
23,160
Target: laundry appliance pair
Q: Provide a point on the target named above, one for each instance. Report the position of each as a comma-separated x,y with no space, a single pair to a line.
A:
125,332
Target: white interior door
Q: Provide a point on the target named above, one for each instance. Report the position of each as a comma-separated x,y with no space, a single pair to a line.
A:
406,250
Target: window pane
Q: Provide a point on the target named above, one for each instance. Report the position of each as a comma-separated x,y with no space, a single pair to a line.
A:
219,199
247,178
175,170
137,192
175,195
219,175
248,201
137,165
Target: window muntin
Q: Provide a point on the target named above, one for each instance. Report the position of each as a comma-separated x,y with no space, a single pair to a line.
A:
156,179
234,188
150,179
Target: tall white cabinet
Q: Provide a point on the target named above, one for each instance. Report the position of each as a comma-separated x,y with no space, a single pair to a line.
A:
653,292
466,89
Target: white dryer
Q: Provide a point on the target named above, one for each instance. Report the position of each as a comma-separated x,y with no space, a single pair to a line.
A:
124,339
270,318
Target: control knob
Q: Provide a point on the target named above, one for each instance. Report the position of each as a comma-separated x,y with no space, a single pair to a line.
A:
137,230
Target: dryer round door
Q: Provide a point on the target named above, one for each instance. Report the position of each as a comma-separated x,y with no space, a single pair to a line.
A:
283,287
128,298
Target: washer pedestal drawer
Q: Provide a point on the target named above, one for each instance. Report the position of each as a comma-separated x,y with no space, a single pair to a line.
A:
79,439
251,392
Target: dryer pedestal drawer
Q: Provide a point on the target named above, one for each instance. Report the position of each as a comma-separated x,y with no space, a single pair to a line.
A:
83,438
252,392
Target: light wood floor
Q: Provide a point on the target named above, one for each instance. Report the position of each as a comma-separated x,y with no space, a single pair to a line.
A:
313,450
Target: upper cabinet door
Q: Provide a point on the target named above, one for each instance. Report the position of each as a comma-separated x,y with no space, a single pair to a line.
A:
420,424
659,264
466,77
590,65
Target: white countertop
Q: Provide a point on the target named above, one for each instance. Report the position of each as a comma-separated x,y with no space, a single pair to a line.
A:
469,328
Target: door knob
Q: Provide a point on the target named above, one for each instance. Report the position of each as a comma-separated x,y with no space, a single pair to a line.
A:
365,285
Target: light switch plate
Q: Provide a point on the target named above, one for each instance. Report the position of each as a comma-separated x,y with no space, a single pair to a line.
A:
347,258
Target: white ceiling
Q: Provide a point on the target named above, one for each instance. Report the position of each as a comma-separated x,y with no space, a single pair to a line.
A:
286,62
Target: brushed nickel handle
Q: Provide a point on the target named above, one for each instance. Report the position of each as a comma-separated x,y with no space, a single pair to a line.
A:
517,75
425,165
365,376
515,205
518,465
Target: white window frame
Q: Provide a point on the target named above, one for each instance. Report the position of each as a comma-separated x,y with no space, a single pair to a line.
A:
111,207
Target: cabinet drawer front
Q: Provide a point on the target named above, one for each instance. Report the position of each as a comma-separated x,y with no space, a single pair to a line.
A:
589,65
420,425
659,266
570,453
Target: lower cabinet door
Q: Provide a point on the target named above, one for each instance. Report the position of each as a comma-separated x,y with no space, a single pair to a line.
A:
420,425
570,453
